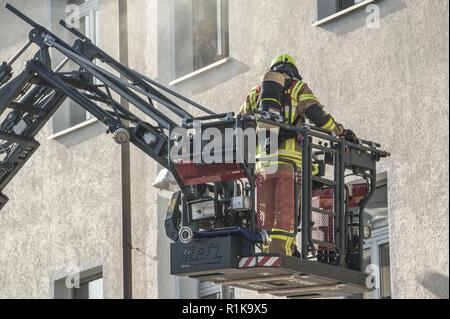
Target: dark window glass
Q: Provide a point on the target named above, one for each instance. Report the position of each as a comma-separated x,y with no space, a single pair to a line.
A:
326,8
201,34
90,286
385,272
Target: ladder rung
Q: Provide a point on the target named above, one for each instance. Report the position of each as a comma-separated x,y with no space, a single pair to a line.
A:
324,180
324,243
323,211
17,139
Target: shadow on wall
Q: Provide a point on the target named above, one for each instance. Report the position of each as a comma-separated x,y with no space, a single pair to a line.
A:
218,75
357,19
165,282
436,283
89,130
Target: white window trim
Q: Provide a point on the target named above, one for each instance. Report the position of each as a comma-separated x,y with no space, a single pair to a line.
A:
379,237
200,71
206,289
343,12
87,7
89,270
73,129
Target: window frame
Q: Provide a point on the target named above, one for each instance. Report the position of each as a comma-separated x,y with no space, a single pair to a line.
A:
208,289
88,280
379,237
85,277
88,10
174,79
339,13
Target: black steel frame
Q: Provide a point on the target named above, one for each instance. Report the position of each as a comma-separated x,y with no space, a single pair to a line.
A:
363,163
36,93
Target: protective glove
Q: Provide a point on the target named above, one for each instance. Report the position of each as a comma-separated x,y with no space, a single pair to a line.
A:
350,136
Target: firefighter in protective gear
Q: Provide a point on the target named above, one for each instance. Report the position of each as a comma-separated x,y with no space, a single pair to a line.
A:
283,92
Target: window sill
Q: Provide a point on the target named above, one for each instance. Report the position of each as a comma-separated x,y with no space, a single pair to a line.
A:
72,129
199,72
342,12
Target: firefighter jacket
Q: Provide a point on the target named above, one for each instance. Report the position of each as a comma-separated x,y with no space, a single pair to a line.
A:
298,104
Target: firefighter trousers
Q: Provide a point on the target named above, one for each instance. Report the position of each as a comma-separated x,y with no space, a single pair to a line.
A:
275,208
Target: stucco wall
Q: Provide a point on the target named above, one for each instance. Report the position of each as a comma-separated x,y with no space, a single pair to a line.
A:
65,204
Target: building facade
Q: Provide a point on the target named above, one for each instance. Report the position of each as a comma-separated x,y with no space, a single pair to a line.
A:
380,67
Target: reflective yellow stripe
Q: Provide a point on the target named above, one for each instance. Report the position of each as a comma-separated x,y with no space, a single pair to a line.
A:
286,111
281,237
288,242
290,144
245,108
288,245
315,169
333,127
307,97
297,89
293,115
270,99
253,99
289,153
330,125
281,230
290,109
294,103
289,239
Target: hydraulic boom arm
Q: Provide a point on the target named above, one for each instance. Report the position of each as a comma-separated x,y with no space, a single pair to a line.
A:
34,95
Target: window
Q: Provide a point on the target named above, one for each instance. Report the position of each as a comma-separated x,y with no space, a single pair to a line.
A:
376,248
385,271
71,114
86,285
326,8
200,35
376,252
209,290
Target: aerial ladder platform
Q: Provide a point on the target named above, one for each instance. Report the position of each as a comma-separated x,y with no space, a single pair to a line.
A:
212,218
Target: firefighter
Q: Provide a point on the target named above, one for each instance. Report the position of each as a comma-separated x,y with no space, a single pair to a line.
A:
284,93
